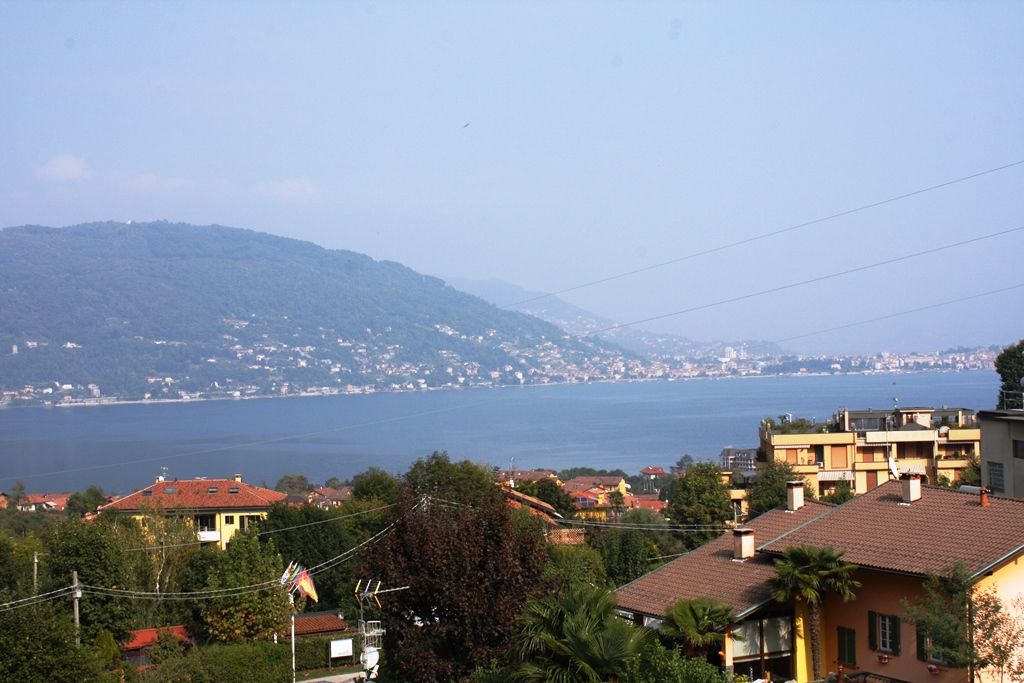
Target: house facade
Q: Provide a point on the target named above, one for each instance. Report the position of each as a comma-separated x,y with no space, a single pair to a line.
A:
897,534
217,508
1002,451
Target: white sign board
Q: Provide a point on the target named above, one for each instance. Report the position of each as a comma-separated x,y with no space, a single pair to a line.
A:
341,648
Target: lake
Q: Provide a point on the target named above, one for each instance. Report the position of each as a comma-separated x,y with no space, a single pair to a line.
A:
609,425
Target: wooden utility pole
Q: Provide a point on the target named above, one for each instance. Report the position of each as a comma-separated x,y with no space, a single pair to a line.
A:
76,594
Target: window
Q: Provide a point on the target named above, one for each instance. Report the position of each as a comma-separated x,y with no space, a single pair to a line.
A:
206,522
229,519
847,647
884,633
233,489
995,477
1018,449
924,649
212,489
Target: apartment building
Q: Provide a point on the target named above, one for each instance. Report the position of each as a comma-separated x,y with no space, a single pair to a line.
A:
865,448
1002,460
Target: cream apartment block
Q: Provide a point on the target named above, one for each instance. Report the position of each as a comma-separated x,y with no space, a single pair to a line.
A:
864,448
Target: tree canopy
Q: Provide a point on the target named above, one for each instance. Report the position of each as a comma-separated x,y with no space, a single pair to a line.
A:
700,499
1010,366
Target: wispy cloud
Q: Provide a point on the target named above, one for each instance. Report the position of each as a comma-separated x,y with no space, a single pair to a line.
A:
289,189
64,168
147,182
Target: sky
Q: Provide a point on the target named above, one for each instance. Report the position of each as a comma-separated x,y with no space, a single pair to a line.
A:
551,144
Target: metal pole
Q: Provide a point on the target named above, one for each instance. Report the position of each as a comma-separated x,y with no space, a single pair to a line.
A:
35,572
77,594
291,599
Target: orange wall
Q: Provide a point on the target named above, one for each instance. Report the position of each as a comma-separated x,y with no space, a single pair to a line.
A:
881,593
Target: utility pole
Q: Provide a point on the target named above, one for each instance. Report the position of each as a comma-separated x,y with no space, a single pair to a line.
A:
35,572
76,593
291,599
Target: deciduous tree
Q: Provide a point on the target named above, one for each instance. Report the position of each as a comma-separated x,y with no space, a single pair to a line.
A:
702,499
469,568
1010,366
250,614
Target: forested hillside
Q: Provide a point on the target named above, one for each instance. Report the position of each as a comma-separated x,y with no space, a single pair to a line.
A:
162,308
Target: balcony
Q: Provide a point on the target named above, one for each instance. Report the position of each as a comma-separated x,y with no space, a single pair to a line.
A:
209,536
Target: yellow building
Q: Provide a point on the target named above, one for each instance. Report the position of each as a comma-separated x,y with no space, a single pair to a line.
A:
896,534
218,508
865,448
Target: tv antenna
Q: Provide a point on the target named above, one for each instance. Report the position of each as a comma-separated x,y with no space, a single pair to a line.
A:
371,633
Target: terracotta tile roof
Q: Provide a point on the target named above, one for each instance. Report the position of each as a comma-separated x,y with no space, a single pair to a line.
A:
197,494
533,502
651,470
318,623
527,475
710,571
146,637
928,535
329,494
57,501
583,483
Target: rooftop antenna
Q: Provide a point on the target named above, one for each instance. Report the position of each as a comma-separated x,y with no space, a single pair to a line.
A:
371,634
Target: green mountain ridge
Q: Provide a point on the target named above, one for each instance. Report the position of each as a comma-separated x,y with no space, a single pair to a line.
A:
128,306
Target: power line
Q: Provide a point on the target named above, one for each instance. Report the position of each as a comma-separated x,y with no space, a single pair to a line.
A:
35,599
271,531
820,278
236,591
908,311
766,235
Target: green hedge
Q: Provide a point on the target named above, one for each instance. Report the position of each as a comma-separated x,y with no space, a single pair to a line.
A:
311,653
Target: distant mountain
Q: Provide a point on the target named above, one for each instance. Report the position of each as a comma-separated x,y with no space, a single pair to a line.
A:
581,322
164,309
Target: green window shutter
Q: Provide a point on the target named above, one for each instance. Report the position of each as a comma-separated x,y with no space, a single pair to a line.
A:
872,631
922,645
847,646
895,635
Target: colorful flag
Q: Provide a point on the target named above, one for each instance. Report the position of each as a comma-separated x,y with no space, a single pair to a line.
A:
304,584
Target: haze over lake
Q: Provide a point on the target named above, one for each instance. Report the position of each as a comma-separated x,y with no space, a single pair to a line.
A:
625,425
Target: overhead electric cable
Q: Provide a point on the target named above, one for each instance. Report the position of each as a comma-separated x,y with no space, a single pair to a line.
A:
765,235
271,531
908,311
820,278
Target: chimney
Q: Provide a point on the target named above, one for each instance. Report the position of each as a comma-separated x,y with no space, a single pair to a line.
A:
794,495
911,487
742,543
984,496
238,478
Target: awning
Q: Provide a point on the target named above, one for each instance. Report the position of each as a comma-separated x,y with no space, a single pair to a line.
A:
913,469
835,475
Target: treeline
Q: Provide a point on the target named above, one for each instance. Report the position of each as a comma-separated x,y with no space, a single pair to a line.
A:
484,583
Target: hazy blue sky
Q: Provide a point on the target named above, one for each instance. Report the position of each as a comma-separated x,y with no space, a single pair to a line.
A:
549,144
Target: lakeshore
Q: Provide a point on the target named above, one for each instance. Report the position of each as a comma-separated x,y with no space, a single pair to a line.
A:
624,425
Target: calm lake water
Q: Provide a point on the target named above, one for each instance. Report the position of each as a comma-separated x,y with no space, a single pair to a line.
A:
628,425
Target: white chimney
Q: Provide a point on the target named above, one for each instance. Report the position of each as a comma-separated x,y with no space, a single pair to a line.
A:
911,487
742,543
794,495
238,478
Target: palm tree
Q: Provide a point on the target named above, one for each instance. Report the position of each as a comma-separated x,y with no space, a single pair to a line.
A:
576,637
698,624
807,574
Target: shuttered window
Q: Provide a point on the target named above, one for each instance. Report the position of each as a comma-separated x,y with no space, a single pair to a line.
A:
847,646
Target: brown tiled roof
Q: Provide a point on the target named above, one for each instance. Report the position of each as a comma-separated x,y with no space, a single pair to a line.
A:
197,494
531,501
710,571
583,483
929,535
317,623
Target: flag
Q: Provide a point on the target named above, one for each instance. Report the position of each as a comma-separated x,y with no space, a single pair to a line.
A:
290,572
304,584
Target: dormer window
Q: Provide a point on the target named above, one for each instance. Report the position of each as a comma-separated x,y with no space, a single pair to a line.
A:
170,489
147,493
233,489
212,489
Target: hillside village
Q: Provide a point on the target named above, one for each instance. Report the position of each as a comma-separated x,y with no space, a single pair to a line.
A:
909,518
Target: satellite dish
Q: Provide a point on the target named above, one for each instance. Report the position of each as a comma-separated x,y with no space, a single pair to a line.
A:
892,468
369,657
